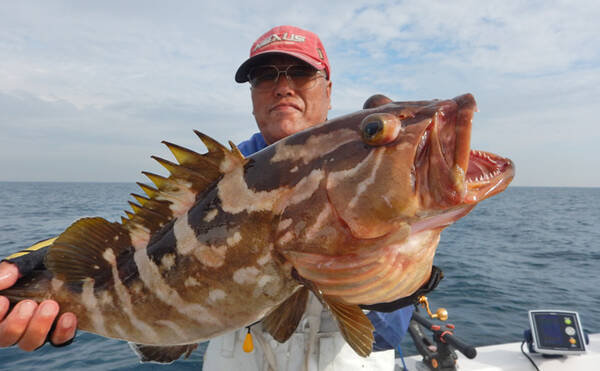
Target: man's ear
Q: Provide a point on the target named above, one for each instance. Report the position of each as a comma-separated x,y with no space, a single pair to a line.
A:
329,93
376,101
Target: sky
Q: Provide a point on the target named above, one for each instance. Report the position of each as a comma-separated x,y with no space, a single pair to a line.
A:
88,90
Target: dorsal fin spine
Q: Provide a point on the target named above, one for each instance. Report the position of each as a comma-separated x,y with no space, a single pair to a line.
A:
210,143
136,208
140,199
236,151
148,190
187,157
161,182
183,172
191,175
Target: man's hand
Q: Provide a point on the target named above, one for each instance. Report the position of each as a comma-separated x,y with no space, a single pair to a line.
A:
28,324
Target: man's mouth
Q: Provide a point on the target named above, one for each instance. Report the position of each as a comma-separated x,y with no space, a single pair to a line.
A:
285,106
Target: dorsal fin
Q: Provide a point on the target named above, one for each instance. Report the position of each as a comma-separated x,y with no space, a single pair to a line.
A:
79,252
197,179
175,194
148,190
235,150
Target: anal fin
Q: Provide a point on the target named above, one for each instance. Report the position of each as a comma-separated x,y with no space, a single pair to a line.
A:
282,322
162,354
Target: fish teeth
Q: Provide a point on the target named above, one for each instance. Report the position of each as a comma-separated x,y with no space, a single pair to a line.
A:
485,177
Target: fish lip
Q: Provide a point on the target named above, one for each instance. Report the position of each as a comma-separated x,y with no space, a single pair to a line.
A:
440,220
459,174
452,118
462,129
480,174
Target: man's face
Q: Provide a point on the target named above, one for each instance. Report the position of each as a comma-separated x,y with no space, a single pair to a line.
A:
283,110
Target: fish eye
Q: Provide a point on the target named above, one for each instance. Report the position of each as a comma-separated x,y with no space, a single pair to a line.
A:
372,128
380,128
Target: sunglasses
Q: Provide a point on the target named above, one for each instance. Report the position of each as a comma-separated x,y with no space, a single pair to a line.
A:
299,77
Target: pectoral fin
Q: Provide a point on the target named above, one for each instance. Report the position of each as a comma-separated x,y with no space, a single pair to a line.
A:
162,354
282,322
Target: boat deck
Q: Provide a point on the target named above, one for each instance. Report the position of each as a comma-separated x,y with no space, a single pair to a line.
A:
508,357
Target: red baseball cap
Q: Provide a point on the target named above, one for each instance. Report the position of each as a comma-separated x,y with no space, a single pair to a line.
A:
289,40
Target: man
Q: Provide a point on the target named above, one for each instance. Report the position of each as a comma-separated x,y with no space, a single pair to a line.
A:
289,74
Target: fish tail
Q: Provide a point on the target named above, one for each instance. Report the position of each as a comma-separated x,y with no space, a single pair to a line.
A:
82,253
32,257
35,286
35,278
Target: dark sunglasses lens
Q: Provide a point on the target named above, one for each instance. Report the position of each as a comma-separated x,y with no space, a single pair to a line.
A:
299,76
302,77
301,72
262,74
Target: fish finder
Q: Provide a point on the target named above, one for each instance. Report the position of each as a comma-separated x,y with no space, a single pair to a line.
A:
556,332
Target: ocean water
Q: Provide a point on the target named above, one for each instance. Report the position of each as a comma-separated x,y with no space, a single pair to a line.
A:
527,248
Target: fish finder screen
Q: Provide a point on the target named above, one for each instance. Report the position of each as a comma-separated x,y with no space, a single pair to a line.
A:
558,331
551,331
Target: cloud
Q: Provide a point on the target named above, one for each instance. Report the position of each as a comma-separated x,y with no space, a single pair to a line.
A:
115,78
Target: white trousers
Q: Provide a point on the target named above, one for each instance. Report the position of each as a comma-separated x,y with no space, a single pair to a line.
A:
317,345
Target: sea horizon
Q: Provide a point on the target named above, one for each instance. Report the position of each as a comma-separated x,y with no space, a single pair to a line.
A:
134,182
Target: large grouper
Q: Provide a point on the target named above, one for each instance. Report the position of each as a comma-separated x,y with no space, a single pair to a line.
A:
351,209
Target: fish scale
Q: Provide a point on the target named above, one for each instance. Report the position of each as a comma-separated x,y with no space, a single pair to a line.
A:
351,210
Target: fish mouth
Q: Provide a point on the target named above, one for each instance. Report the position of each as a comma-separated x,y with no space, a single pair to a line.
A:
487,174
455,174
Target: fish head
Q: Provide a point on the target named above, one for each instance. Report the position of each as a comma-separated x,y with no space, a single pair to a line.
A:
393,177
414,166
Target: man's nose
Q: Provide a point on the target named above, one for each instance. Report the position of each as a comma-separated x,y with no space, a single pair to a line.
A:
283,86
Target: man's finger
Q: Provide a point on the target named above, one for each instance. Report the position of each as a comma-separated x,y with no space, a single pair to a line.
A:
14,325
37,331
4,305
9,273
65,329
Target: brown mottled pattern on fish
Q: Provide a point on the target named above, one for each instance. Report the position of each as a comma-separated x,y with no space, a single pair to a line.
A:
351,209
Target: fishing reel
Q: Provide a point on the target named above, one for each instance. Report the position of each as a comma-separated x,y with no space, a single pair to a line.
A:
441,313
439,352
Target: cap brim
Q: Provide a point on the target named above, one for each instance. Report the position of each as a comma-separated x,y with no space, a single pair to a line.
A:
242,73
